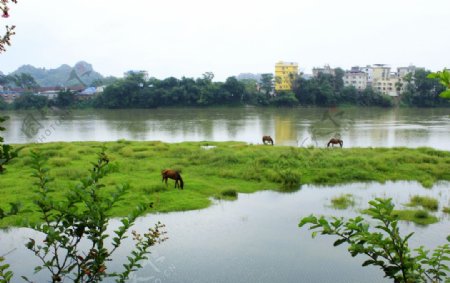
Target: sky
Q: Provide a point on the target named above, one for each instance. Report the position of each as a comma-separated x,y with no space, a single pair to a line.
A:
190,37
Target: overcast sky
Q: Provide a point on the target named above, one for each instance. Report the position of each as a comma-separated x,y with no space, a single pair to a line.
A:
190,37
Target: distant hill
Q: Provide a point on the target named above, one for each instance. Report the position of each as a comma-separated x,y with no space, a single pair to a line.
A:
80,74
249,76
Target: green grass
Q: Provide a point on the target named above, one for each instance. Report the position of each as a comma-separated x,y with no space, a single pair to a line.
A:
206,173
229,194
421,217
446,209
343,201
425,202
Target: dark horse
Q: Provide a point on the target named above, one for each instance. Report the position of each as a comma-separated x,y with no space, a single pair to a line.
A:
267,139
172,174
334,141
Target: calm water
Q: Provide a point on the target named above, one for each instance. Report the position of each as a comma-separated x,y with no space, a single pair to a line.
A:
363,127
256,238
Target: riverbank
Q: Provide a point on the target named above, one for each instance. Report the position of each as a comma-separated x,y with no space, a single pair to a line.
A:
210,168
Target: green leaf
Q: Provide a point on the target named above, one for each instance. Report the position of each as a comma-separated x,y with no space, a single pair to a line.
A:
339,242
445,94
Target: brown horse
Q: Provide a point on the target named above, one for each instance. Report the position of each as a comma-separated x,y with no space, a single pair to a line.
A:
172,174
334,141
267,139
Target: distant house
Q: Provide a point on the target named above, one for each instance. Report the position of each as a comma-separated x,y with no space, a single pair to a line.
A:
325,70
89,92
355,78
9,96
49,92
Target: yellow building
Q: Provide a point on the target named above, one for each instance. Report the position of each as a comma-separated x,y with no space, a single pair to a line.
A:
285,75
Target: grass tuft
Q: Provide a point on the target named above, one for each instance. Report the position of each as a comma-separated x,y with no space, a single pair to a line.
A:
425,202
343,201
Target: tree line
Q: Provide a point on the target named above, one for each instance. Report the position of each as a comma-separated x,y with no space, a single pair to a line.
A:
135,91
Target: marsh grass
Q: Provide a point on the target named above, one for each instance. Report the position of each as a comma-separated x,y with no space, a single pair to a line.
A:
343,201
206,173
228,194
425,202
420,216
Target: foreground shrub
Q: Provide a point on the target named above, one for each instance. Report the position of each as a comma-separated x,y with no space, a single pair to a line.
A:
84,217
385,247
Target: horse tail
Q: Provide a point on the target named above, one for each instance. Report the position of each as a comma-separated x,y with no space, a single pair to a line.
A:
181,181
342,143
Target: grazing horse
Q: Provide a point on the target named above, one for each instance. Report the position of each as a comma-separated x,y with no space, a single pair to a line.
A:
172,174
334,141
267,139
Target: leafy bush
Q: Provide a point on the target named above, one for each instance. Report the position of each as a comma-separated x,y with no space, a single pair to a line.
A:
385,247
84,217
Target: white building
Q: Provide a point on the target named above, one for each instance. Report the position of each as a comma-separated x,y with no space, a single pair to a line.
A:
355,78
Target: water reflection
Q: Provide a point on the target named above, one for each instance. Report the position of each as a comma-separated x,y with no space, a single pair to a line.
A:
256,238
362,127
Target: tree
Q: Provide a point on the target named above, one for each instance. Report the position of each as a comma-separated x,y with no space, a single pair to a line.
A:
234,89
285,98
77,246
267,83
6,39
423,90
65,98
444,79
385,247
30,101
24,80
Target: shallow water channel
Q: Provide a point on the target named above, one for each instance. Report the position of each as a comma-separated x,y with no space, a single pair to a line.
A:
256,238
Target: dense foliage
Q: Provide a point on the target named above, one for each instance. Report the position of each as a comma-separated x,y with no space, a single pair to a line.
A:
135,91
423,90
385,247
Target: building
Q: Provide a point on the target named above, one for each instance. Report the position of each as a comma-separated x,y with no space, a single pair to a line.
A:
356,78
403,71
385,81
285,75
327,70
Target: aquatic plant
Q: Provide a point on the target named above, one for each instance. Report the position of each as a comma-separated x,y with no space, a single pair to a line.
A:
424,201
343,201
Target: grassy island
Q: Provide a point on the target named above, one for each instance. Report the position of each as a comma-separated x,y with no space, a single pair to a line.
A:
211,168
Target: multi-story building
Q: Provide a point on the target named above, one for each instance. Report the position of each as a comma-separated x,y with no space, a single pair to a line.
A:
285,75
403,71
369,71
325,70
356,78
385,81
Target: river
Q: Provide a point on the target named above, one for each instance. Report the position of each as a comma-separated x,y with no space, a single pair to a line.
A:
358,127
